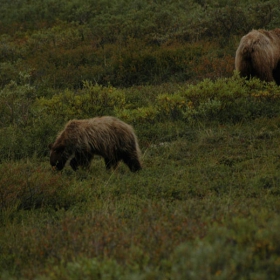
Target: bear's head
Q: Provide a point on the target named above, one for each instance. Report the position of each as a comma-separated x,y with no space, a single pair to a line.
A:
58,157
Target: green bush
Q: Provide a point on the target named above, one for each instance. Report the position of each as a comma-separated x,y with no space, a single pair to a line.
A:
91,101
240,251
25,186
30,124
15,102
231,100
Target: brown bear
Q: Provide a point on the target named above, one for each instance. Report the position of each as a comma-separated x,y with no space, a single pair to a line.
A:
258,55
109,137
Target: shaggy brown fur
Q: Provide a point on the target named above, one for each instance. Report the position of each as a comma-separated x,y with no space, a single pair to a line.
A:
106,136
258,55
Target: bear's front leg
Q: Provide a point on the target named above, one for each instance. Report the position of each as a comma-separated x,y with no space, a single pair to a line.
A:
110,163
81,159
74,164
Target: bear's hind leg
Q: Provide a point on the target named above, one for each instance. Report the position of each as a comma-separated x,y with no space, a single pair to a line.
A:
276,74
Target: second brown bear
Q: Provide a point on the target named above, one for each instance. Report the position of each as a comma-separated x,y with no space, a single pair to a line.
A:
258,55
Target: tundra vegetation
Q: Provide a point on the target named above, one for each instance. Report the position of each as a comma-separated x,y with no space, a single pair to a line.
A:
206,203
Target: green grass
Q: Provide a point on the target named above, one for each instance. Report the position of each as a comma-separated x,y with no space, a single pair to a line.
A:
203,207
206,204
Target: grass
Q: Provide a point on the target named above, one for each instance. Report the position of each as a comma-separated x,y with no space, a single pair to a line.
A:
203,207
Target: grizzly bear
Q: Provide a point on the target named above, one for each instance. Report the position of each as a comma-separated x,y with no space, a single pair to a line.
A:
106,136
258,55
